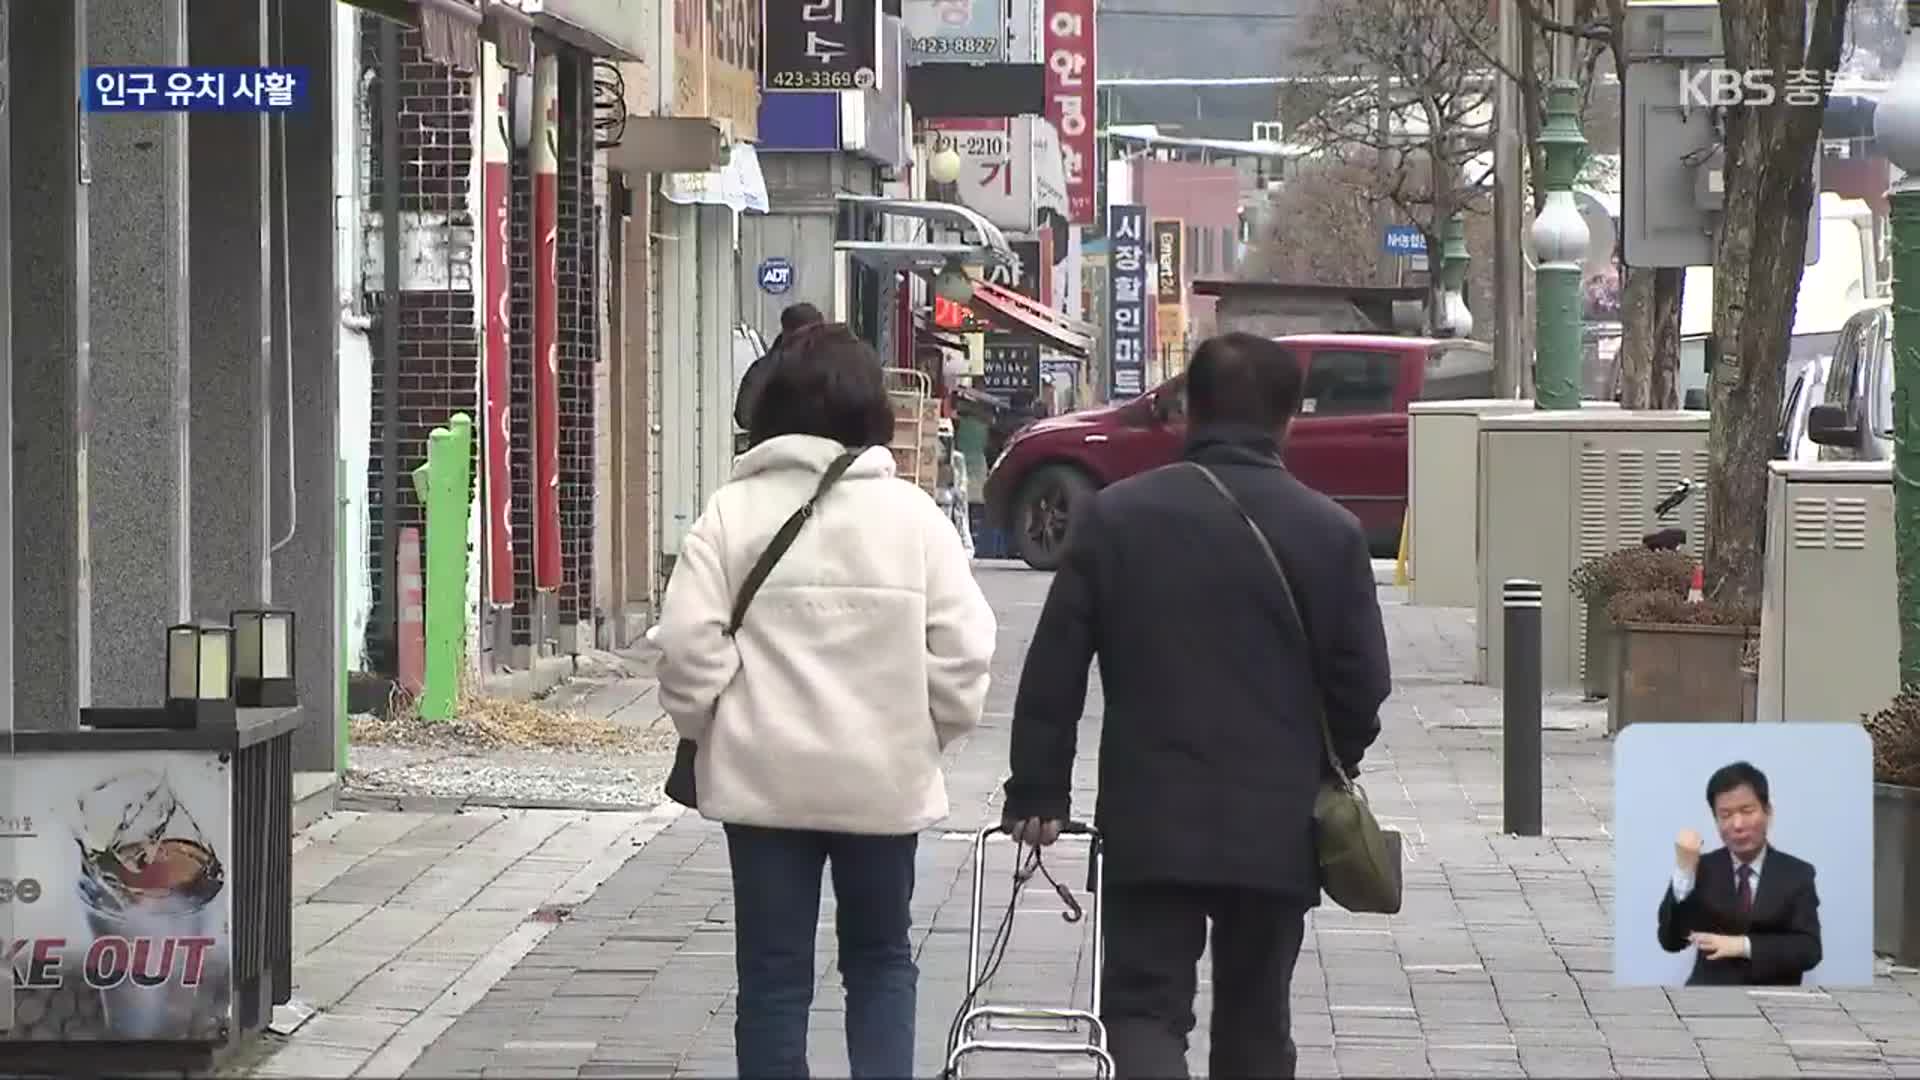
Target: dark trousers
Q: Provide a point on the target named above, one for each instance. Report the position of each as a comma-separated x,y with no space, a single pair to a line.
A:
776,901
1155,935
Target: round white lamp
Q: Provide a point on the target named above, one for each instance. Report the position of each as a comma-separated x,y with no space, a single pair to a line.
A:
952,283
943,165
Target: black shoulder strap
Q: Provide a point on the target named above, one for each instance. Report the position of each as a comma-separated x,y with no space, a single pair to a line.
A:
1293,607
783,540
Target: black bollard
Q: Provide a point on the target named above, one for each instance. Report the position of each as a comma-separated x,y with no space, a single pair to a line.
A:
1520,702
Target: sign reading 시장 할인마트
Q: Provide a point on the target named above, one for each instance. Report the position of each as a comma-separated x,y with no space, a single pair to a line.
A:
1128,294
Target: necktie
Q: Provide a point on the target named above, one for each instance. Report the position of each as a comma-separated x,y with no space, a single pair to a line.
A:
1745,876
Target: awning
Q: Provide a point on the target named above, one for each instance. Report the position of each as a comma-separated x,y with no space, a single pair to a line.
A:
1029,319
738,185
511,32
449,29
986,246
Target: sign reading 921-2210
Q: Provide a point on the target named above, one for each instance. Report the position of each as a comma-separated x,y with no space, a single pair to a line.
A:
196,89
820,45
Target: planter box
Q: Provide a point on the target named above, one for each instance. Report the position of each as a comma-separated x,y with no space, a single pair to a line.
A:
1597,682
1676,675
1896,872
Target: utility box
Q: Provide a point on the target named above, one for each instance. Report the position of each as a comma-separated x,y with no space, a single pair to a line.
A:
1834,654
1559,488
1443,473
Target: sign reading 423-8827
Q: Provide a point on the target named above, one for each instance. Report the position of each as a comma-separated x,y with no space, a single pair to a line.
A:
820,45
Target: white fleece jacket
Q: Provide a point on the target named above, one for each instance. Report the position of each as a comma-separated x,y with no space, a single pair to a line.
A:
863,655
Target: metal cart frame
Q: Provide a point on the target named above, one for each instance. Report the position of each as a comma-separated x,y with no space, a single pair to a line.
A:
979,1021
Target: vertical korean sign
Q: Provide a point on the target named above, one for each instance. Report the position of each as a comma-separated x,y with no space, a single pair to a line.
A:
1127,297
546,324
1070,60
820,45
496,439
1170,321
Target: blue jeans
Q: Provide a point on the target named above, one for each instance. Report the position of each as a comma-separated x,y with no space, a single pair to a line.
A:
776,901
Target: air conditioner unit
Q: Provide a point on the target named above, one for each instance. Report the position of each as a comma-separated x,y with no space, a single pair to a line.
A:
1558,488
1829,626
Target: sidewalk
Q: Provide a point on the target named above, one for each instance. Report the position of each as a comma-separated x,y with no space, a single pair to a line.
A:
1498,965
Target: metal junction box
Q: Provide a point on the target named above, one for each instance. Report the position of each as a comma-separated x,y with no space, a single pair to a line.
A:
1559,488
1443,472
1829,624
1672,30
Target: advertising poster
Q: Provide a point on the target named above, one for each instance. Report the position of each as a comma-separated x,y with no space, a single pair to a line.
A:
119,896
1011,369
1128,297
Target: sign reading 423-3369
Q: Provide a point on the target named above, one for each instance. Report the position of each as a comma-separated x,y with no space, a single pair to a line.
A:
820,45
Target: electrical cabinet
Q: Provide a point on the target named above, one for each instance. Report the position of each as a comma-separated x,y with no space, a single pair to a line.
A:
1559,488
1829,624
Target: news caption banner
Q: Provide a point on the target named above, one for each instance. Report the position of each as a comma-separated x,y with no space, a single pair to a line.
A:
197,89
117,895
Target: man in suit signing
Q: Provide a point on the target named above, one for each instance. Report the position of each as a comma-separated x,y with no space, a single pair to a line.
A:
1749,909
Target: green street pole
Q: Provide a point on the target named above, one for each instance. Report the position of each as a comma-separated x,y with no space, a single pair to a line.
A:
443,484
1559,249
1896,126
1457,319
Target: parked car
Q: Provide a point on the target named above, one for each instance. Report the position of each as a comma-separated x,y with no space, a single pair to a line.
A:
1854,419
1350,440
1806,387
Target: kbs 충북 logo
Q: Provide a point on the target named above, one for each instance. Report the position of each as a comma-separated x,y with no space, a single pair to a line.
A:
1711,87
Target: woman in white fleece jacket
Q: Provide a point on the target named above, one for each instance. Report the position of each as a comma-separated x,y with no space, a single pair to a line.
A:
821,722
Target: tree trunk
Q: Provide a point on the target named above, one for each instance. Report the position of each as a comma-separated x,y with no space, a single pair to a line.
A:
1636,338
1758,260
1669,289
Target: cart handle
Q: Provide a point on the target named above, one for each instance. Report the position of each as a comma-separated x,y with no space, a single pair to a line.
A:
1067,828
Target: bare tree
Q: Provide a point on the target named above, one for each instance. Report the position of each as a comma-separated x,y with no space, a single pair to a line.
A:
1758,255
1419,103
1319,226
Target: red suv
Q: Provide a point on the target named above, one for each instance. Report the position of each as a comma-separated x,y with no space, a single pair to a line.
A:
1350,440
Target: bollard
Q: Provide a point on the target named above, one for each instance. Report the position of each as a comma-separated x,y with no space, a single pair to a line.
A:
1520,697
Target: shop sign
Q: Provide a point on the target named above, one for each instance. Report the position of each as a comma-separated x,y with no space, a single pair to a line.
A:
955,31
820,45
1128,295
120,897
1011,369
716,45
1071,60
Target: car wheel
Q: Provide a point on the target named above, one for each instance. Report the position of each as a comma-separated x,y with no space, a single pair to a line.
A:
1043,514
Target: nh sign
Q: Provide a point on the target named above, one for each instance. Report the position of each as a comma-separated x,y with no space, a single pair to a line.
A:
1405,240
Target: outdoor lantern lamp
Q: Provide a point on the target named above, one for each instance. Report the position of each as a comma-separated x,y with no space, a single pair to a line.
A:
952,283
263,658
200,673
943,165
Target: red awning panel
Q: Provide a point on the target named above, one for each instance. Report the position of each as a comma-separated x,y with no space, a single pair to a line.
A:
1031,319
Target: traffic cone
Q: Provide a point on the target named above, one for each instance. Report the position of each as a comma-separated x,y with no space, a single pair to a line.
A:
1697,592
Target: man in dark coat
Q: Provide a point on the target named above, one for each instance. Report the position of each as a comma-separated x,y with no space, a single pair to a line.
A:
1211,745
1750,911
792,321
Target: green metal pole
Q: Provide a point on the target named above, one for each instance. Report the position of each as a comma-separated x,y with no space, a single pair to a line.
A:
446,494
1453,276
1905,216
1559,249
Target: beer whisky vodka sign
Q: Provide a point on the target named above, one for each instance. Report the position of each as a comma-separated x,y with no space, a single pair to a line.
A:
820,45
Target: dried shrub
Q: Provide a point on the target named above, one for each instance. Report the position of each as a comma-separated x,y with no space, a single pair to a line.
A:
1649,608
1750,655
1895,731
1633,569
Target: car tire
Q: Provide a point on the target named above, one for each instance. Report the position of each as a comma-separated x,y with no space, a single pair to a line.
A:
1042,518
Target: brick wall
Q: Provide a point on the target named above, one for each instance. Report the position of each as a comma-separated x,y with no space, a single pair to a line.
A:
439,342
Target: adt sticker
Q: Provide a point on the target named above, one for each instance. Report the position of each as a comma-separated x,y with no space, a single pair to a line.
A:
776,276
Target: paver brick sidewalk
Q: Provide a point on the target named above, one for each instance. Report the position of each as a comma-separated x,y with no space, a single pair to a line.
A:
1498,966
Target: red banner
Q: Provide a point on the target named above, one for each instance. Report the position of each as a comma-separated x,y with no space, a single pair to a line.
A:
546,326
1070,100
496,440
